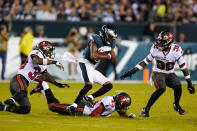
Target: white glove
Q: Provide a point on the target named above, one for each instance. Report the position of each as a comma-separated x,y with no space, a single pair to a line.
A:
132,115
59,65
104,49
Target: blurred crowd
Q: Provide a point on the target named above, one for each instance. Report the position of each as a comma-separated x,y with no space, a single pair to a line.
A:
179,11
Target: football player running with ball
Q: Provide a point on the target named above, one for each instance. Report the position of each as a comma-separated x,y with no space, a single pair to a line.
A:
99,47
164,54
35,65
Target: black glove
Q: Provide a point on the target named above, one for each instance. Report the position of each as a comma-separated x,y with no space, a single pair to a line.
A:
191,88
60,85
127,74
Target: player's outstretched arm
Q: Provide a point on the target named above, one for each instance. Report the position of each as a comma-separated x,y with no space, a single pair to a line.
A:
40,61
47,77
95,54
190,86
138,67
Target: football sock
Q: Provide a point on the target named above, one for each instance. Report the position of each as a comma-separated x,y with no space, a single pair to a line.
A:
102,90
45,85
82,93
177,94
154,97
50,97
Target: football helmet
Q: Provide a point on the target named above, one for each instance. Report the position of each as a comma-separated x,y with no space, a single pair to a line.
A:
122,101
108,33
164,40
46,48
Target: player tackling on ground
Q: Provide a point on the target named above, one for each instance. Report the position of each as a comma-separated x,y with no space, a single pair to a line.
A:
102,107
99,47
164,54
35,65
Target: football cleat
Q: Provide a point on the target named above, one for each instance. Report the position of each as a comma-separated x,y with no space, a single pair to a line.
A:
10,102
1,106
178,108
144,113
72,110
88,101
37,89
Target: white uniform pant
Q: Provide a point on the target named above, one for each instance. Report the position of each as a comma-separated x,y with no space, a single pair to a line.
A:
89,74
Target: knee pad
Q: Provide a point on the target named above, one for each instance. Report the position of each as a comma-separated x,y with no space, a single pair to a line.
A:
108,86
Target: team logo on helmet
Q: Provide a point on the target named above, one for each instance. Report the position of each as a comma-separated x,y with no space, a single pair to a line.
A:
46,48
122,101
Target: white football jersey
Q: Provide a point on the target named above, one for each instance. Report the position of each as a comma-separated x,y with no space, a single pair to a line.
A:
165,61
29,70
108,102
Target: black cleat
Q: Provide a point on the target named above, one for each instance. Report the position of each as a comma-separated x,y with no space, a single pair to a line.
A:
72,110
178,108
37,89
88,101
1,106
10,102
144,113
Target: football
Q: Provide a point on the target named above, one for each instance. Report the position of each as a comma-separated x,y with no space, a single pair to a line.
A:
103,53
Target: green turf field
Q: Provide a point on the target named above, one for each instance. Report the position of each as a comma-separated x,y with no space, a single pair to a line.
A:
163,117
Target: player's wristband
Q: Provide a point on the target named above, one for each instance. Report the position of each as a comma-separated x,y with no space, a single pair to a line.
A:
139,67
45,61
184,67
145,61
187,77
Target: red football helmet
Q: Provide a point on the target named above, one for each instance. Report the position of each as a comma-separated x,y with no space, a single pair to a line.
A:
164,40
122,101
46,48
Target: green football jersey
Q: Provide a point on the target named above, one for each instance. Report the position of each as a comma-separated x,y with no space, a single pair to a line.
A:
99,43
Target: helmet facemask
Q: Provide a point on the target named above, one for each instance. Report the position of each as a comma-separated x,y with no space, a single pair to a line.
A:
108,33
122,101
164,40
47,49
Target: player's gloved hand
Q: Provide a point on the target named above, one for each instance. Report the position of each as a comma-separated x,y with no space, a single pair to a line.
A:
191,88
127,74
132,115
59,65
60,85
